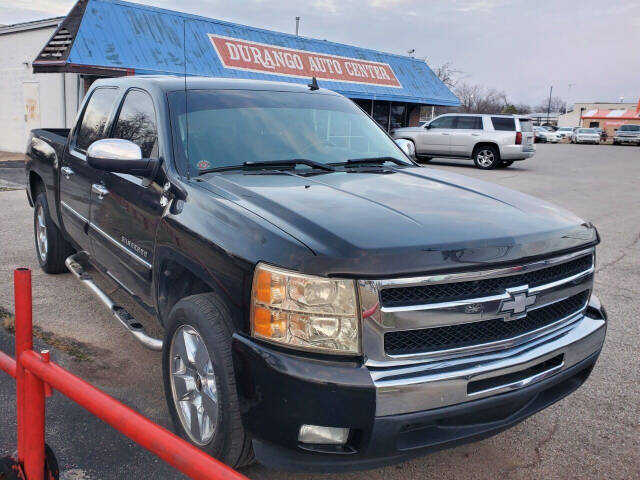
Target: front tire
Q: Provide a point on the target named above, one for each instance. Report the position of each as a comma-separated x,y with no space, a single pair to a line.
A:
199,379
51,247
486,157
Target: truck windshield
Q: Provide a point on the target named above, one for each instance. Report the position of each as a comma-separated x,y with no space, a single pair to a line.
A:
223,128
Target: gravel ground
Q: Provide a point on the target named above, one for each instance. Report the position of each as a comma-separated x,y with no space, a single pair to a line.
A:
594,433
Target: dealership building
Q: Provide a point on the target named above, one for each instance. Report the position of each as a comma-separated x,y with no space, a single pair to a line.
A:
51,63
608,116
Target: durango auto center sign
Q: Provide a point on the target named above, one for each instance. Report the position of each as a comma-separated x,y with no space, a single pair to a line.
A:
241,54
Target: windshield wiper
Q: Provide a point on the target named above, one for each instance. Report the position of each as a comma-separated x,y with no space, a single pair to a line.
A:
292,162
371,160
272,163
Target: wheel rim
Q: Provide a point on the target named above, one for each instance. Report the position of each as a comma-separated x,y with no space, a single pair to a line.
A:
485,158
41,234
193,384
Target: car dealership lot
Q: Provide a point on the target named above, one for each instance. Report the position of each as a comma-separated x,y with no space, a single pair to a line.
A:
595,434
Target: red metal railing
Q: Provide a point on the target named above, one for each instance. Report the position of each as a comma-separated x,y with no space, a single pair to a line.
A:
36,376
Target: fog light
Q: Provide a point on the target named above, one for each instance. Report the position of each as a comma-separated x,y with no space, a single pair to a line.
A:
323,435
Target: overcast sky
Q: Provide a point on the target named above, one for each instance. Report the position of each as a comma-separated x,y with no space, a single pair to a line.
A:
521,47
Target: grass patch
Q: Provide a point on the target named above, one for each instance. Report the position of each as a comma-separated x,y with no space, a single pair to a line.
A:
71,347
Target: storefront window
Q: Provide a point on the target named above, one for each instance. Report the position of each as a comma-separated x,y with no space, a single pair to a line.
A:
381,114
398,115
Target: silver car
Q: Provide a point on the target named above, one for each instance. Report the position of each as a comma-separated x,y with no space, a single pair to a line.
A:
585,135
491,141
564,132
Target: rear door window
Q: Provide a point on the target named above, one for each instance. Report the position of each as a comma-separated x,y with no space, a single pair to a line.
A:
444,122
504,124
469,123
95,118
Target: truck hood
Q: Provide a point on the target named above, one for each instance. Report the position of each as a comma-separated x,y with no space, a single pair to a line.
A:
389,221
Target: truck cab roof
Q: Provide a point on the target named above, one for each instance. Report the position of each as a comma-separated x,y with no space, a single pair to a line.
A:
170,83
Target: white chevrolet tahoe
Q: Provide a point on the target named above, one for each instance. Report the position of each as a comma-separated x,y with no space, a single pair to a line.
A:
491,141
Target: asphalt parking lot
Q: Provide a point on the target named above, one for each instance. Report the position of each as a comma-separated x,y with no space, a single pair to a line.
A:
594,433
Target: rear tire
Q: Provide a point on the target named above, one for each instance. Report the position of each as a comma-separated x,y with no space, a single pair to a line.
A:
51,247
486,157
199,379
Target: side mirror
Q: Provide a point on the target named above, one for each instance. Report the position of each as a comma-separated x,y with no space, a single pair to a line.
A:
407,147
427,126
118,155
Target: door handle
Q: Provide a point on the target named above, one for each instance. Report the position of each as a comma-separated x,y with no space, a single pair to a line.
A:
475,134
100,190
445,133
67,172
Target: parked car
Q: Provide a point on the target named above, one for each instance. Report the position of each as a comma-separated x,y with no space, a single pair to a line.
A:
492,141
326,302
564,132
542,135
627,134
585,135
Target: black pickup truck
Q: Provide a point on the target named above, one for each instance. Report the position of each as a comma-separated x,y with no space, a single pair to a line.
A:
327,303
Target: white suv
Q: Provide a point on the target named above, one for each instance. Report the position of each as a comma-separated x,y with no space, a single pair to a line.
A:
492,141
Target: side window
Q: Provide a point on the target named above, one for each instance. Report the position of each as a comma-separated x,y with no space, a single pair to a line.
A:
137,123
95,118
469,123
504,124
443,122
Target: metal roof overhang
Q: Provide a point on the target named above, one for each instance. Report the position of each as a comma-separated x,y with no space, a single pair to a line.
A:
115,38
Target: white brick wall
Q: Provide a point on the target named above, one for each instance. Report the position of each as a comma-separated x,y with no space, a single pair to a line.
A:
17,51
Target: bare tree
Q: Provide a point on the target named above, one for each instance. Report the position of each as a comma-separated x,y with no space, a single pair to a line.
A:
447,74
477,99
557,105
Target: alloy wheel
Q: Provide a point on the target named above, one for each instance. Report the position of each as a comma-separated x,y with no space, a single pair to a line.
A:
485,158
193,384
41,234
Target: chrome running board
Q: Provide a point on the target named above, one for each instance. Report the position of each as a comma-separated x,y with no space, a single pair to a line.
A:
125,318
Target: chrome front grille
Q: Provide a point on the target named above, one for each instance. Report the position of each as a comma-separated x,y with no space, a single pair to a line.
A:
476,333
422,294
447,316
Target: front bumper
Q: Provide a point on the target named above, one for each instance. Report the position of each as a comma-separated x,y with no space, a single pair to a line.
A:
627,139
424,408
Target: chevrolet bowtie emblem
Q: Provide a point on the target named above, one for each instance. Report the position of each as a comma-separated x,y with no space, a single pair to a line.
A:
517,304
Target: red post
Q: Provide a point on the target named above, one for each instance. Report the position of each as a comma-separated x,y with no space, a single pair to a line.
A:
33,427
29,388
24,341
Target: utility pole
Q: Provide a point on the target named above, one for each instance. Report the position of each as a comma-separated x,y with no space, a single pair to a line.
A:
549,106
297,25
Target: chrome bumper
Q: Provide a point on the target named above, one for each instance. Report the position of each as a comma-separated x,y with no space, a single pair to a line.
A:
432,385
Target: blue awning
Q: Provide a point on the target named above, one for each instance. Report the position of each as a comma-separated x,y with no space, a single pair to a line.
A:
115,36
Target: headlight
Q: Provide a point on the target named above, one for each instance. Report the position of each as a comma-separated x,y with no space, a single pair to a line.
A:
305,311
